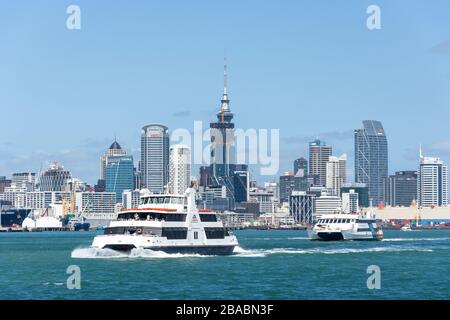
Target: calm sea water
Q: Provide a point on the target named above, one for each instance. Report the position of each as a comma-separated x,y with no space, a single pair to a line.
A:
268,265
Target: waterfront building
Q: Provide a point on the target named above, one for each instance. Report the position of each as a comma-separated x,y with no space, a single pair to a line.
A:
114,150
179,169
95,202
44,199
273,187
371,158
16,198
319,154
336,173
326,204
400,189
55,178
155,157
119,173
264,198
302,207
432,182
301,164
350,202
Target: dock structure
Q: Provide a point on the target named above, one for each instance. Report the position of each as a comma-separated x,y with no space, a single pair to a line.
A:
410,213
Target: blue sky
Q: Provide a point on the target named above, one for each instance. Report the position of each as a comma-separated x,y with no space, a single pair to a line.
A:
310,68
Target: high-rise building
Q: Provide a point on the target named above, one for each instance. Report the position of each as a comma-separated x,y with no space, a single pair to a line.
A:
289,183
155,157
302,207
205,176
371,158
55,178
400,189
432,182
336,173
319,154
241,186
362,191
119,173
350,203
4,183
24,180
302,165
114,150
179,169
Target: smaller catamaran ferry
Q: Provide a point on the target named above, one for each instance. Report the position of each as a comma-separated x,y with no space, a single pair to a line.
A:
333,227
168,223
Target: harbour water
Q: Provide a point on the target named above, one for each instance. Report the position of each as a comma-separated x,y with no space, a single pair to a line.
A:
268,265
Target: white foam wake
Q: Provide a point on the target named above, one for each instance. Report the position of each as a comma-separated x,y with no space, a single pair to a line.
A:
96,253
416,239
240,252
264,252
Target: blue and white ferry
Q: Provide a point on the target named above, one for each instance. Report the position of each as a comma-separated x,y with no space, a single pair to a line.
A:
334,227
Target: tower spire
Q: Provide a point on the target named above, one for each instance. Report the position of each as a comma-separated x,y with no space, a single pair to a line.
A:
225,80
225,101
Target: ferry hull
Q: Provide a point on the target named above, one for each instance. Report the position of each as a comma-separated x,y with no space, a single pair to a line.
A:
201,250
330,236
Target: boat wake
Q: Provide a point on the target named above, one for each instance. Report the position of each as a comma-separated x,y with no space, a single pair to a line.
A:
96,253
415,239
239,252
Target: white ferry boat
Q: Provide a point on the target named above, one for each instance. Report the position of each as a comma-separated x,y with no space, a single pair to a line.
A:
168,223
333,227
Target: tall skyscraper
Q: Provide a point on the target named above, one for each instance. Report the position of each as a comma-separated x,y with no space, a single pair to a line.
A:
336,173
432,182
319,154
400,189
301,164
119,173
222,144
114,150
371,158
55,178
155,157
179,169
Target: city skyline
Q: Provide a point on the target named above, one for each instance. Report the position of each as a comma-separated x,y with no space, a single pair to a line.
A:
86,75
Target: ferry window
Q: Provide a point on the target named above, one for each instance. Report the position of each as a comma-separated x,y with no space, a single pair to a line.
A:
195,235
167,200
177,200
